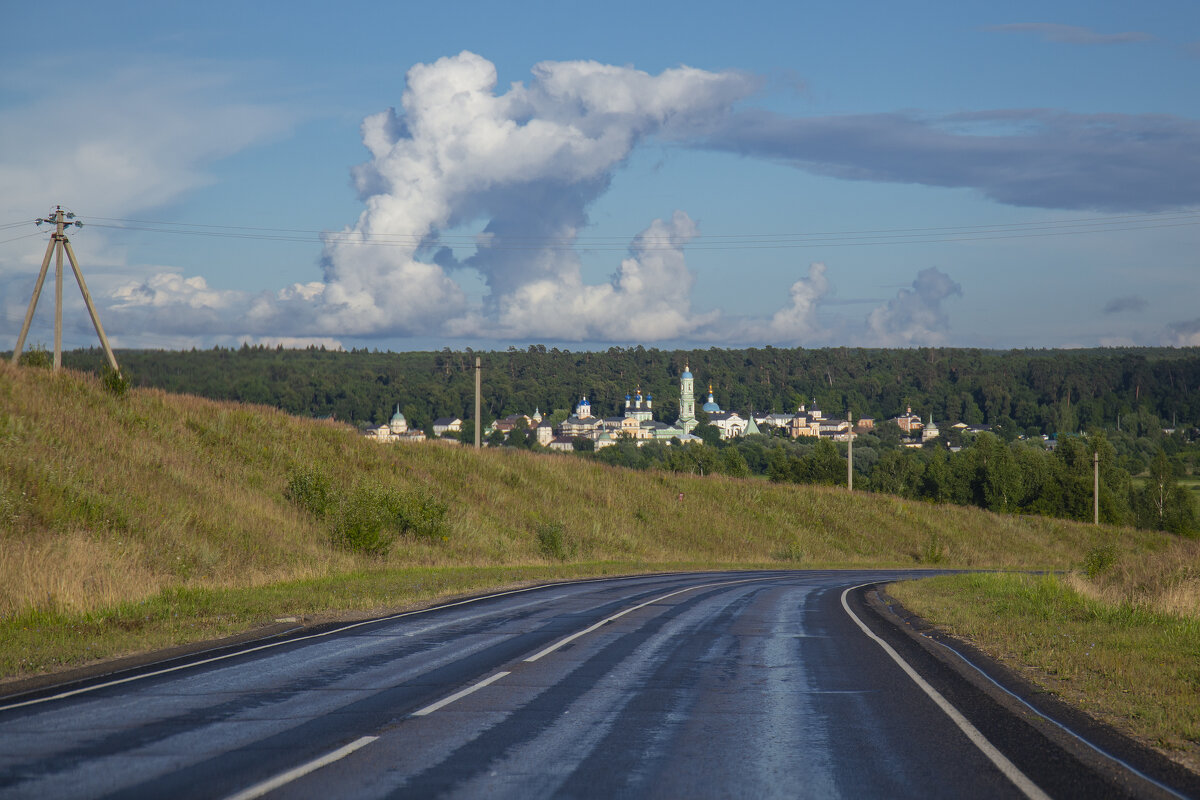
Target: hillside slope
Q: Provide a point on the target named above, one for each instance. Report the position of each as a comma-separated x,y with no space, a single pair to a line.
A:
138,522
106,498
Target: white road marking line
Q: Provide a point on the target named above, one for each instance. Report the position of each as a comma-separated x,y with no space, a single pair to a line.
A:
620,614
351,626
259,789
488,681
445,701
1060,725
1018,778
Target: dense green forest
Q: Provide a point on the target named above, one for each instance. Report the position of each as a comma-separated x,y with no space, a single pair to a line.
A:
1140,408
1022,391
1022,476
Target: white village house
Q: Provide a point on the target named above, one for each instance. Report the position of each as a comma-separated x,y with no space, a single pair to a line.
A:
638,423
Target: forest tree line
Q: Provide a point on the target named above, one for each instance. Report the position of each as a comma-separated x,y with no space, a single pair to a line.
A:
1027,391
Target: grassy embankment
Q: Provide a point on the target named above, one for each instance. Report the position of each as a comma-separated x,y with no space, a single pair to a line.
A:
1119,638
145,520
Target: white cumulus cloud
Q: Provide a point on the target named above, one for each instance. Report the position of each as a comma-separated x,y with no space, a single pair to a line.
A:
111,143
648,299
1184,334
169,289
524,165
796,323
915,315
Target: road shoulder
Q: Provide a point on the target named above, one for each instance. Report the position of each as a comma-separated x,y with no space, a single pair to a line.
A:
1002,713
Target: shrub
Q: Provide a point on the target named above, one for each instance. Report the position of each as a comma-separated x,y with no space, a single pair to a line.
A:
309,488
934,552
792,551
420,514
372,516
552,541
1100,560
37,356
113,381
365,521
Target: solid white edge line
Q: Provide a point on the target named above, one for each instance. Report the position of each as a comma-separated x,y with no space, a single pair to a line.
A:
351,626
445,701
259,789
1098,750
1010,770
619,614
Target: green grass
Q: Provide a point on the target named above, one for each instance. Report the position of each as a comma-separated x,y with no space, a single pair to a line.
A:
113,507
1189,482
1120,658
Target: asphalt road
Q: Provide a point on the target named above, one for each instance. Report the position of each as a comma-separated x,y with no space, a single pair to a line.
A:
701,685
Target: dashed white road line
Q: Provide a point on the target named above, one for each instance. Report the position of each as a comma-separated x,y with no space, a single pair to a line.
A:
1009,769
269,645
260,789
270,785
619,614
445,701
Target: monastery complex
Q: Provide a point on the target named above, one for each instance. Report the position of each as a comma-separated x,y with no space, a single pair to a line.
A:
638,423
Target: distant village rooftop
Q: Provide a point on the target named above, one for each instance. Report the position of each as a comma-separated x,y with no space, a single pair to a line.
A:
637,423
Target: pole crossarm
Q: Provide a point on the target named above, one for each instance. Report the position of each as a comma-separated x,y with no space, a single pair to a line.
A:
58,246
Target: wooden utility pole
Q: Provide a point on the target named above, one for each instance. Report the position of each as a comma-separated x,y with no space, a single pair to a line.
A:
1096,488
58,244
477,403
850,453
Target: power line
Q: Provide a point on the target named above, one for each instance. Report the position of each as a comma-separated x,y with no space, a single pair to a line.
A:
26,236
718,241
742,242
1081,221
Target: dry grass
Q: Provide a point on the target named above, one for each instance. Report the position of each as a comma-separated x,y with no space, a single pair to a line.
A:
1124,645
110,500
105,498
1165,582
38,640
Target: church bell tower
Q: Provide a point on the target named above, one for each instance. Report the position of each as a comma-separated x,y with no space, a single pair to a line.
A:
687,400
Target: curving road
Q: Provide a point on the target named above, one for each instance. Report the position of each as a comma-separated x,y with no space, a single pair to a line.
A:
696,685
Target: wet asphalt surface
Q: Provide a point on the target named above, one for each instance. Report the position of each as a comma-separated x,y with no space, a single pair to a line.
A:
705,685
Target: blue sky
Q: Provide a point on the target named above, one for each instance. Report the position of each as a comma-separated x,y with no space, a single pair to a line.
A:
404,176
